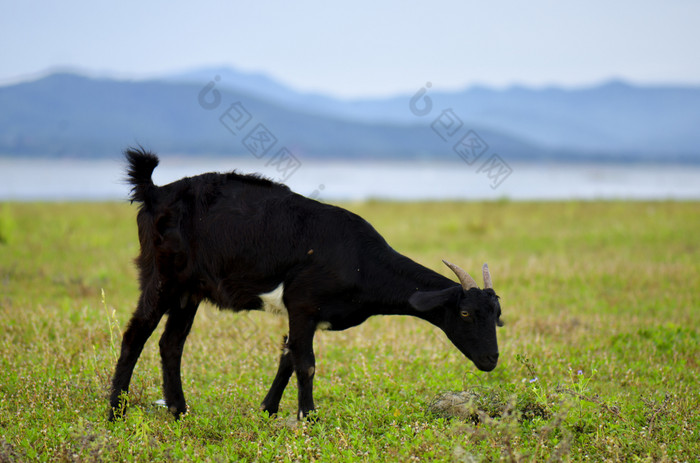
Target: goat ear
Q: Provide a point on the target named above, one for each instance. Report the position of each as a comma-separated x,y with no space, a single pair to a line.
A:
424,301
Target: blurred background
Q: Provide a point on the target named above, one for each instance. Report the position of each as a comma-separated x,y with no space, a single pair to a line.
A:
398,100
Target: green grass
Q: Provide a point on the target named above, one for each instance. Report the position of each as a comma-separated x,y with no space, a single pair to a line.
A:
601,302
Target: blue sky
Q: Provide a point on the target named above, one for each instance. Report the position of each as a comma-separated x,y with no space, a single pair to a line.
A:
362,48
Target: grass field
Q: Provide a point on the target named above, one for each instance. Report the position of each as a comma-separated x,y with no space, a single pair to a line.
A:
599,354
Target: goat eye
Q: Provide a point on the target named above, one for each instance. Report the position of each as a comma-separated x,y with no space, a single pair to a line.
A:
465,314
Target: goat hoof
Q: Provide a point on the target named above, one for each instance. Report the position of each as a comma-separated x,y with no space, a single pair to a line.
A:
179,412
270,413
115,415
117,411
310,416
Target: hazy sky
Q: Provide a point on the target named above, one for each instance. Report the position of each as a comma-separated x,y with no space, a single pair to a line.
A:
364,47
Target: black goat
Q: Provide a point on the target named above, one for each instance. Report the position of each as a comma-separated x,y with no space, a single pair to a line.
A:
247,243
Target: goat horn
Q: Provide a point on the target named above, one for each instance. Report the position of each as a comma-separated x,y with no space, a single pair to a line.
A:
464,278
487,277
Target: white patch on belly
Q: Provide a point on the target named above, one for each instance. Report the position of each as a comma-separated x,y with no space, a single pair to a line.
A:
273,303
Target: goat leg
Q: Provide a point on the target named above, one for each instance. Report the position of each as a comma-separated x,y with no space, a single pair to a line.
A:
171,344
137,333
301,339
271,402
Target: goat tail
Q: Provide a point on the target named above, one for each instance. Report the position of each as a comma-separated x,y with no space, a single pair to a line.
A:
140,169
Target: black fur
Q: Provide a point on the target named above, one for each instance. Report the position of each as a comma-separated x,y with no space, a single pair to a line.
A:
229,238
141,166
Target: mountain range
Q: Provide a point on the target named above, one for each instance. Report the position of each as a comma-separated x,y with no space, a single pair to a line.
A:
221,111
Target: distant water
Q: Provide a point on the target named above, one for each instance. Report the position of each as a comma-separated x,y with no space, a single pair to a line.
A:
67,180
